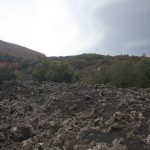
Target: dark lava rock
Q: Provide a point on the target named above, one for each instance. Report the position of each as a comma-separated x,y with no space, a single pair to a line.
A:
27,144
87,97
73,117
2,137
21,132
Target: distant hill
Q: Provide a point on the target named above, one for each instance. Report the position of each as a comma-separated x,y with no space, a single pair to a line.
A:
19,51
84,56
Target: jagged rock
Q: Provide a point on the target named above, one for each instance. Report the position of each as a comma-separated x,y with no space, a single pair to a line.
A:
21,132
110,121
27,144
118,116
55,126
148,139
2,137
28,108
117,144
59,140
73,117
97,86
102,146
136,115
115,127
87,97
39,146
79,147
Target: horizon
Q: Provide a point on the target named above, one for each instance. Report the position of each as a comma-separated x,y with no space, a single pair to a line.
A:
121,54
64,28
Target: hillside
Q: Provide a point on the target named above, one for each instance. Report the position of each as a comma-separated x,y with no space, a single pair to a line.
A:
19,51
120,71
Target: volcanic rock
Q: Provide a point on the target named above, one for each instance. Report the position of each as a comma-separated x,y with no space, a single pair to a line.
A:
64,116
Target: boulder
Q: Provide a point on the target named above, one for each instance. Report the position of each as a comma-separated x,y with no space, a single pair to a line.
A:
2,137
21,132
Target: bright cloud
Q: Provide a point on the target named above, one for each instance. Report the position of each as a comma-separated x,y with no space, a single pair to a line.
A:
66,27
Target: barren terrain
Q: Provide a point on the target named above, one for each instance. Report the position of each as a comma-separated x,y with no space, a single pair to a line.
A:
50,116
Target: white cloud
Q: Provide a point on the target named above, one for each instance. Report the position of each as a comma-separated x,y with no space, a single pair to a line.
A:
54,25
65,27
48,27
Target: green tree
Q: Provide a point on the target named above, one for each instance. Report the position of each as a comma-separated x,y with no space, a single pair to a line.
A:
54,71
40,71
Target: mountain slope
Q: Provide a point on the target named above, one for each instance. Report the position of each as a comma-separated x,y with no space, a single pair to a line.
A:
19,51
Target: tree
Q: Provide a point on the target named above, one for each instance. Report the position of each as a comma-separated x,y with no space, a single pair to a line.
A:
54,71
40,71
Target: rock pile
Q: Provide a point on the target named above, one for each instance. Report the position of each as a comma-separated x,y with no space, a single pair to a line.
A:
48,116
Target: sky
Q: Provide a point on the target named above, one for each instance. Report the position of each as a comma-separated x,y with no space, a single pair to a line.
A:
71,27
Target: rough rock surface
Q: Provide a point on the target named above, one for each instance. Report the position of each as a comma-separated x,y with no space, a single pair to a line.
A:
48,116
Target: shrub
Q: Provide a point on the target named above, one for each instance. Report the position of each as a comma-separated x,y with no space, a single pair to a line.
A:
54,71
125,74
120,71
40,71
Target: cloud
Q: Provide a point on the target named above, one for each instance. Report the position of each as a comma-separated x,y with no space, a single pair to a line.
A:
121,26
66,27
113,26
55,24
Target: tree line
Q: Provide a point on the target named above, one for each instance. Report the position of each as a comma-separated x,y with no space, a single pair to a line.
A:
120,71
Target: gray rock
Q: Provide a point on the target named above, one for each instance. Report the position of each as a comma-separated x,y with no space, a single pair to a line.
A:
117,145
87,97
27,144
2,137
148,139
21,132
110,121
59,140
118,116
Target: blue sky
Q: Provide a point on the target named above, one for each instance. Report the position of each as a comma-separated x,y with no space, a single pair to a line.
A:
69,27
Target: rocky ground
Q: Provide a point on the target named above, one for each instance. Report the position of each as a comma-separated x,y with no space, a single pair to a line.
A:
47,116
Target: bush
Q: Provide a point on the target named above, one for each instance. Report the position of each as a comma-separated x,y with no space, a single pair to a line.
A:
120,71
18,74
127,73
54,71
40,71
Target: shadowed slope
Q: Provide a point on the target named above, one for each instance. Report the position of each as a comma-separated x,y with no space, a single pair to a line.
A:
19,51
